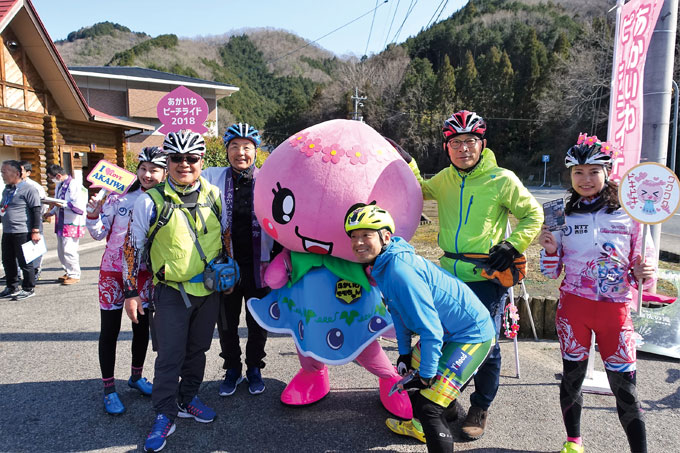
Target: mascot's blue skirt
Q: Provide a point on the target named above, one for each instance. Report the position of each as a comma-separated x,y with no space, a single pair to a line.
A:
331,320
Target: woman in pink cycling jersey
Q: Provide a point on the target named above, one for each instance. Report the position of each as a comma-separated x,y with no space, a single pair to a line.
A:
110,219
599,249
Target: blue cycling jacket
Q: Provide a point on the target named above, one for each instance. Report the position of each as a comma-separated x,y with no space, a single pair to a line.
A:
427,300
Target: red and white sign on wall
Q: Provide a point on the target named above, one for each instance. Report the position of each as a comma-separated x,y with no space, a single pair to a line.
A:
637,22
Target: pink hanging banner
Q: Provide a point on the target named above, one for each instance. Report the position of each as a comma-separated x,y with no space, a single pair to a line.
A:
638,19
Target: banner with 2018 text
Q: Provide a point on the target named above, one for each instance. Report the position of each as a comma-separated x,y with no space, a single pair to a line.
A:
638,19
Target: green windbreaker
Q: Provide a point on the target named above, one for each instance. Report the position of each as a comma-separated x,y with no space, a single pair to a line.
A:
473,212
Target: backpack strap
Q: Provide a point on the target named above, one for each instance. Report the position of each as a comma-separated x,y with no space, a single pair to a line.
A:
163,216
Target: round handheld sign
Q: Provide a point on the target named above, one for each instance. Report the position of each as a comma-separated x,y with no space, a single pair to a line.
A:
649,193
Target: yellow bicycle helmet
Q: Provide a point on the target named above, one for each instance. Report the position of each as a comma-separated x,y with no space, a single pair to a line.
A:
369,217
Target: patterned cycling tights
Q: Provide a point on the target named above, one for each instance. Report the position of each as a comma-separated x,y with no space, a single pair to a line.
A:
627,403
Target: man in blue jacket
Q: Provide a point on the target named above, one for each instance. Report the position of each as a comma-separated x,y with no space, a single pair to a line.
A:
456,331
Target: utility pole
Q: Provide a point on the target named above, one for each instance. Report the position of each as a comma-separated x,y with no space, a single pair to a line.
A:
357,103
658,83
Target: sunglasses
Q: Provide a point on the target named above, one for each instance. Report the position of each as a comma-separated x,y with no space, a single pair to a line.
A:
179,158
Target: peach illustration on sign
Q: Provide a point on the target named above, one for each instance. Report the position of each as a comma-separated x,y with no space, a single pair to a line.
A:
650,191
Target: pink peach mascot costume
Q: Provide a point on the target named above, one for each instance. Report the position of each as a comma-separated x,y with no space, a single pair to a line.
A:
321,296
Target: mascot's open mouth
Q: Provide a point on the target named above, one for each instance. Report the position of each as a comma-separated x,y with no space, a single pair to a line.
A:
313,246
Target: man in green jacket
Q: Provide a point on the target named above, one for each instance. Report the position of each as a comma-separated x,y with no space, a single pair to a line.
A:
474,197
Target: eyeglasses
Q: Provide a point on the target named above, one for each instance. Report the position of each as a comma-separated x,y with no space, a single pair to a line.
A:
469,143
179,158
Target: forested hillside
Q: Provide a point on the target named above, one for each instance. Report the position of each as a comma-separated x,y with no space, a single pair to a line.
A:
537,71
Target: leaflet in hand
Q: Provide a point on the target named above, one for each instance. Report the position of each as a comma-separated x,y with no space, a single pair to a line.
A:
32,250
553,212
58,201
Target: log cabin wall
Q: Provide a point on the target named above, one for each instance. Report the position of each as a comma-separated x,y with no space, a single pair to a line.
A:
33,128
24,131
23,103
86,143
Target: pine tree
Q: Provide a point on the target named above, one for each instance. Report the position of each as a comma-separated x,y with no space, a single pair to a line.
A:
468,82
445,88
562,45
505,82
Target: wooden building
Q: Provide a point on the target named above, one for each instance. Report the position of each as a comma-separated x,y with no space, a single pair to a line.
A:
132,93
44,118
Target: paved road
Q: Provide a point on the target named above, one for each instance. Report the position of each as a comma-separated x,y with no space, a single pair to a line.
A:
670,230
50,393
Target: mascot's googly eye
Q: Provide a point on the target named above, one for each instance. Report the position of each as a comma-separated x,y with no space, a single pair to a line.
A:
376,324
335,339
283,206
301,330
274,310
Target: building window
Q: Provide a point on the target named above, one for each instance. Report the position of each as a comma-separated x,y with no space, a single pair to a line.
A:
19,81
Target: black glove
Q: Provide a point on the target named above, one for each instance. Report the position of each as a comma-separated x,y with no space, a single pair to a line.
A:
501,256
419,383
404,155
404,364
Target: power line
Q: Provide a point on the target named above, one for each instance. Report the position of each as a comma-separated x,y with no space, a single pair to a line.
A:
330,32
440,12
387,35
434,14
408,13
371,30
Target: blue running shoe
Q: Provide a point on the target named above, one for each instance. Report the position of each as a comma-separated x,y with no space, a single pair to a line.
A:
232,378
112,404
142,385
160,430
197,410
255,382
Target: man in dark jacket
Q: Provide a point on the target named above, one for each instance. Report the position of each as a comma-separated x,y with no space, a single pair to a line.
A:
251,249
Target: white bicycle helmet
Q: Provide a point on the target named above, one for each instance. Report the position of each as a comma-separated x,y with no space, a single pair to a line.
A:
184,142
155,155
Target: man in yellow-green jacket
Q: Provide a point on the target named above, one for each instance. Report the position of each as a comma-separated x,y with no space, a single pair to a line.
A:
178,225
474,197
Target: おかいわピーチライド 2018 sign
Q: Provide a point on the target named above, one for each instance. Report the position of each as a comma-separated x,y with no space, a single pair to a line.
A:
182,109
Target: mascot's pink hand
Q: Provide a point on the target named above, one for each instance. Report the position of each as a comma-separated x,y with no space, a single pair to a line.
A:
278,271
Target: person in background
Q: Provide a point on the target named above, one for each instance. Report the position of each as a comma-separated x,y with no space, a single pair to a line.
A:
600,253
474,197
26,176
110,218
252,251
455,330
70,222
20,211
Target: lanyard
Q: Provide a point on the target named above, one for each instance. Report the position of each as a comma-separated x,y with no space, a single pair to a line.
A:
7,199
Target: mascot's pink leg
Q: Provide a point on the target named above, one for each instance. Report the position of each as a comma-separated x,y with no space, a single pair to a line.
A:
374,359
309,385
